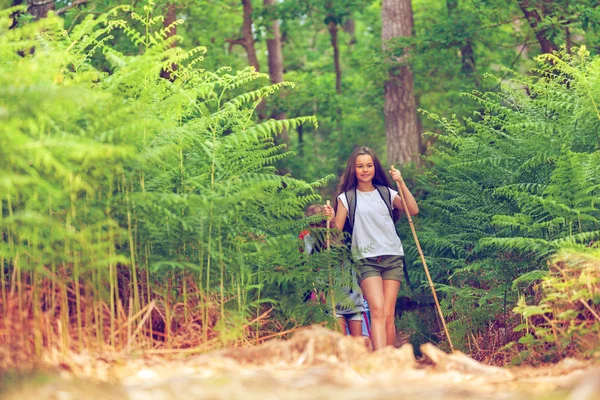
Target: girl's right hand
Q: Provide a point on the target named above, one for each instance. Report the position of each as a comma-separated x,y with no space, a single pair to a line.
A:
328,212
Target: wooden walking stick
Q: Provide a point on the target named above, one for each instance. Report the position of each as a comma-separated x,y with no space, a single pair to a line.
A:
328,226
327,243
414,232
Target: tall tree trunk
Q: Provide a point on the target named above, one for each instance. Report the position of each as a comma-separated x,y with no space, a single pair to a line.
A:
39,8
247,42
274,48
466,48
333,33
300,131
534,19
247,39
170,17
467,58
275,62
350,29
247,34
401,125
332,26
568,40
567,31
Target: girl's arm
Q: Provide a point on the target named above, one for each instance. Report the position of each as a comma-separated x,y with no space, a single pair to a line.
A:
338,219
411,203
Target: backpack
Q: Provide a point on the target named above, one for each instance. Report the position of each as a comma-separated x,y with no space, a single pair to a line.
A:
384,192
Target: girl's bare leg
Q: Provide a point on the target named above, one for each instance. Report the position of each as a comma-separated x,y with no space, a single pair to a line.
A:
390,295
372,289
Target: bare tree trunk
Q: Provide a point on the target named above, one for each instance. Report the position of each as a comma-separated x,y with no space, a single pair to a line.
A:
468,58
247,39
39,8
332,25
300,131
567,33
533,17
401,124
274,48
466,48
276,62
350,29
170,17
333,32
247,34
247,42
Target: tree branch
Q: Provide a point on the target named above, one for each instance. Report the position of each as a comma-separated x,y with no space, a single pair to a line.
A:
233,42
67,8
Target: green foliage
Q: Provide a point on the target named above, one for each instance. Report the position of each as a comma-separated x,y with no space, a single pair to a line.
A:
455,44
140,188
514,184
566,321
417,326
103,163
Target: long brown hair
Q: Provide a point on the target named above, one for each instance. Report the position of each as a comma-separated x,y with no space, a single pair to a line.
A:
348,180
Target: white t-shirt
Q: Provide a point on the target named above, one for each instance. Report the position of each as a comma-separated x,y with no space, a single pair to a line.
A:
374,233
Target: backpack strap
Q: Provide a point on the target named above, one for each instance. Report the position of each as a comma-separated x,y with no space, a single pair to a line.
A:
384,192
351,200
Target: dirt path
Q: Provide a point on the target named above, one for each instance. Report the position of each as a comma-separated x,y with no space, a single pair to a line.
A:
315,364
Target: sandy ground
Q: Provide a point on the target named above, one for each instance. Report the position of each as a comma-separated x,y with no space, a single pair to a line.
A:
315,364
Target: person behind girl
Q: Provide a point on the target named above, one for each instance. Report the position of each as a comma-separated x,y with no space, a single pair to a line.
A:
350,319
376,247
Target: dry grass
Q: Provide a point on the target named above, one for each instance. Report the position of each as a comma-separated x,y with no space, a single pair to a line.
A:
34,330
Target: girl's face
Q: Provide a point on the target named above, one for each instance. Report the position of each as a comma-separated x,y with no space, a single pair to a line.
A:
364,168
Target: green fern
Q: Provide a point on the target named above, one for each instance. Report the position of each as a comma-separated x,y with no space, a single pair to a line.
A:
140,185
517,185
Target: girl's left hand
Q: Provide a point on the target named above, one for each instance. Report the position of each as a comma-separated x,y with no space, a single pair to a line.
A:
396,175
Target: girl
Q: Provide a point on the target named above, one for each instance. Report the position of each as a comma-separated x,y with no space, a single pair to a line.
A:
375,243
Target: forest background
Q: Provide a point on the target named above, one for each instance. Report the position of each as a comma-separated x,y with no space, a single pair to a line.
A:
153,183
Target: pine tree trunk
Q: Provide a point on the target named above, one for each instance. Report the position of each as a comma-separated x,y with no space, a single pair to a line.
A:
275,62
247,35
333,33
350,29
247,42
170,17
274,48
401,125
466,48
